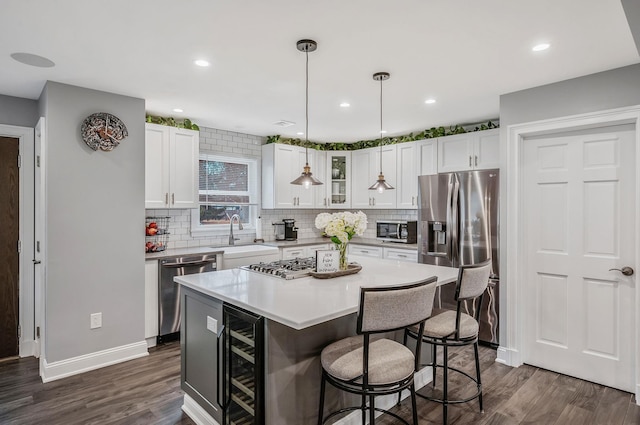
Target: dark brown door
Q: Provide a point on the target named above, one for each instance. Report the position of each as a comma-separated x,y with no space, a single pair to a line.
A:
9,217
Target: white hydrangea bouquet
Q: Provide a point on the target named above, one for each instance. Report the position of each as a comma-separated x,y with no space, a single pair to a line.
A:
341,227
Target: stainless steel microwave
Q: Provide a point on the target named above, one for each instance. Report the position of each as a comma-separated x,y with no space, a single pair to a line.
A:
397,231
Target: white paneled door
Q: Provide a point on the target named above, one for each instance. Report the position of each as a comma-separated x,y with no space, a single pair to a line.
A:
579,209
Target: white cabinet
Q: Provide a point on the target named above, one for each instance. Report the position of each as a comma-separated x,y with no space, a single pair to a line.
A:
477,150
406,166
151,301
302,251
365,250
427,155
281,164
319,171
365,167
338,172
400,254
171,167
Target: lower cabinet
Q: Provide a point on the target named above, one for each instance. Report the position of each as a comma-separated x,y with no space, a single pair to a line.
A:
201,348
151,301
365,250
408,255
302,251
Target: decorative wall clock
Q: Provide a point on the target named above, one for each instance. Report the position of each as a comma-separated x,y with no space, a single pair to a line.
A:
103,131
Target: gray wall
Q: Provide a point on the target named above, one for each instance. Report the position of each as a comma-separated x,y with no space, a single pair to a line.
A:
95,216
596,92
18,111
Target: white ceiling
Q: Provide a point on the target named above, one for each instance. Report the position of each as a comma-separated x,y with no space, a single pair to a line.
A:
463,53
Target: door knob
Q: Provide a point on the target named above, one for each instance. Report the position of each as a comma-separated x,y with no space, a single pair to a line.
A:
627,271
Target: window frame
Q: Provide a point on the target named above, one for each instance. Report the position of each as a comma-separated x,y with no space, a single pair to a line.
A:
253,163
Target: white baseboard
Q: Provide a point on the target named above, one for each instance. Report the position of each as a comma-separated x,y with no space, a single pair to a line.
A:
508,356
152,342
75,365
27,348
197,413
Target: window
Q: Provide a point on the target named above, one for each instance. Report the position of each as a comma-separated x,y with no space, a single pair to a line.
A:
227,186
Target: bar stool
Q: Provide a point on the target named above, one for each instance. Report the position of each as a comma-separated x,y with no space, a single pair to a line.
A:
456,328
371,367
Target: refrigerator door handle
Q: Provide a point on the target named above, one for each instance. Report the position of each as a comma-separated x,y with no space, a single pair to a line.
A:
453,221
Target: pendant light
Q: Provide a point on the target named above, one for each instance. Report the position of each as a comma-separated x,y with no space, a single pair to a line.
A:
381,185
306,179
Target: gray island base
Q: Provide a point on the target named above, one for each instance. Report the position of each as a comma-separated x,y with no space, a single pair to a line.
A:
298,318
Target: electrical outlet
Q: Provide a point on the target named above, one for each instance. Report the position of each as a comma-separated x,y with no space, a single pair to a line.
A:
96,320
212,324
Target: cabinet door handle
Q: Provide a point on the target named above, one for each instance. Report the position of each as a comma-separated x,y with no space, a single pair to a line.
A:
173,199
402,256
412,202
166,198
476,160
374,201
470,164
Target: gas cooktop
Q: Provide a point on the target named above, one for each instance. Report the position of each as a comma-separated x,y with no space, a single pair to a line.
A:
285,269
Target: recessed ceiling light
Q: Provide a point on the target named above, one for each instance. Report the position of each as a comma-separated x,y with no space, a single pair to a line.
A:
201,62
284,123
33,60
430,101
540,47
300,133
383,131
177,110
345,105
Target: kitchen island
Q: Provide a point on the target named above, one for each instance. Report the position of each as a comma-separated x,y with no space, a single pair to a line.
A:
297,319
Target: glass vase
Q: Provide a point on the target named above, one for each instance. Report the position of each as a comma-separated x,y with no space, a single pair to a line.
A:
342,248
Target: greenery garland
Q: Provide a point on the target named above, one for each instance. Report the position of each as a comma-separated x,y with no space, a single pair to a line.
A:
340,146
171,122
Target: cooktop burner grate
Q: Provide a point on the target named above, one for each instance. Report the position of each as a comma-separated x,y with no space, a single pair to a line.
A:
286,269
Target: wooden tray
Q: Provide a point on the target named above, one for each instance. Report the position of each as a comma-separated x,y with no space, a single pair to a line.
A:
352,268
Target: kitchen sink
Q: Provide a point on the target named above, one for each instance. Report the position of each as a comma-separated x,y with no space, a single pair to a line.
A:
244,255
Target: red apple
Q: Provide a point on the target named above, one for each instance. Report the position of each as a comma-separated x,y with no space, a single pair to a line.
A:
153,225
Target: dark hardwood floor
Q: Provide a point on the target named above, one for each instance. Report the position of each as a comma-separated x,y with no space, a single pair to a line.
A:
147,391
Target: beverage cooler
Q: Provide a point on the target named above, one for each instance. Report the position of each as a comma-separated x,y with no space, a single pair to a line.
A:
242,392
222,355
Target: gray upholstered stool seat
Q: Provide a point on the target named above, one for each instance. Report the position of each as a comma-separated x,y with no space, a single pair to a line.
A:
389,361
444,324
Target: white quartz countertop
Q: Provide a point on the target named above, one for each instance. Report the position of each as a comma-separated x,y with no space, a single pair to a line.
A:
305,302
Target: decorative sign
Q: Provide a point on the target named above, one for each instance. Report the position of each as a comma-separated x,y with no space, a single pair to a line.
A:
327,261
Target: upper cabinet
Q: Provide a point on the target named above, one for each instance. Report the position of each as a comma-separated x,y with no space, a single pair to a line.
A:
281,164
171,167
338,183
407,171
427,156
469,151
365,166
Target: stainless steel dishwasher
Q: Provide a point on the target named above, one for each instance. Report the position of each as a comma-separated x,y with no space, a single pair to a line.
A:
169,291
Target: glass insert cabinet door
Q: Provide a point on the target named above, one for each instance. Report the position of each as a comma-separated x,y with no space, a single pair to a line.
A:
339,177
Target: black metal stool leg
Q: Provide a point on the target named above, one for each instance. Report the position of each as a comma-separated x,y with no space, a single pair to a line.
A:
364,409
475,349
372,411
434,354
413,404
445,382
321,409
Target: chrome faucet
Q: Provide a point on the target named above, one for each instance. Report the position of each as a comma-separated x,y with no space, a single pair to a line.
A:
231,238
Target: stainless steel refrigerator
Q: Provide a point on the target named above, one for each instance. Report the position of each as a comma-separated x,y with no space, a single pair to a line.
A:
458,225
